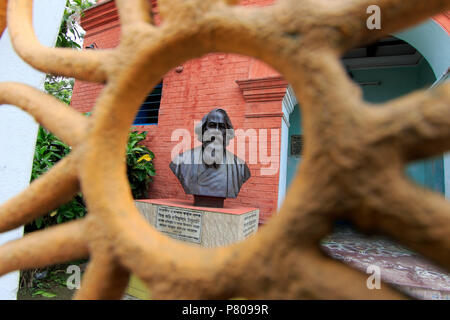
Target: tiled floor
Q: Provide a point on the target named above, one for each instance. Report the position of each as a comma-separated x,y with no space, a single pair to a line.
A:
399,266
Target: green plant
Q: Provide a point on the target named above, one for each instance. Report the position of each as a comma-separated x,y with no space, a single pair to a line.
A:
59,87
69,36
43,293
140,168
49,281
49,150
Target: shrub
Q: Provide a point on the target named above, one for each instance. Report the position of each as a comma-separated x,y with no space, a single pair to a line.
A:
140,169
49,150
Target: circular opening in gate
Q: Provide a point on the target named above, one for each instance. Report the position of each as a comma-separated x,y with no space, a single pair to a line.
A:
219,101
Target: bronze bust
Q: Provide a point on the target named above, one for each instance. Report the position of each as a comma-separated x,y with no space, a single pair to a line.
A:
210,172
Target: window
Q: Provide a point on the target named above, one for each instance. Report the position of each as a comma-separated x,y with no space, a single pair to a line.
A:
149,111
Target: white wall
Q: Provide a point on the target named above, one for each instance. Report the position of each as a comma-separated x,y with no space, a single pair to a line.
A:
17,129
283,163
288,104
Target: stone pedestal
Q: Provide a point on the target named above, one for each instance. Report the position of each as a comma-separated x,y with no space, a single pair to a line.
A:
200,226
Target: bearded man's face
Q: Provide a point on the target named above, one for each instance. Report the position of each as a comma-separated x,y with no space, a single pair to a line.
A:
214,137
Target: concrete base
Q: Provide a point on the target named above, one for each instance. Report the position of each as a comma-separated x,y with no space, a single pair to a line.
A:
200,226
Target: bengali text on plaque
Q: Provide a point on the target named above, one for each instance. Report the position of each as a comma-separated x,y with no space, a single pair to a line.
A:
180,223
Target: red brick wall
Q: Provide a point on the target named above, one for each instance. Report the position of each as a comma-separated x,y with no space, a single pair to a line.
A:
444,20
205,83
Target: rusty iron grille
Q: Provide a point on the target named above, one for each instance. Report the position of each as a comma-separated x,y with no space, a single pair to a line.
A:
354,155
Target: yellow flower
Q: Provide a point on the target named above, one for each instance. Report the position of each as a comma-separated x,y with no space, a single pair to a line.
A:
145,157
53,213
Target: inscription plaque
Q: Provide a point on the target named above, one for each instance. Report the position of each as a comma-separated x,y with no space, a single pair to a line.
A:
250,223
296,145
180,223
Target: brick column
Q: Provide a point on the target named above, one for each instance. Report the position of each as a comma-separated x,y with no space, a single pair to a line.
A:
264,112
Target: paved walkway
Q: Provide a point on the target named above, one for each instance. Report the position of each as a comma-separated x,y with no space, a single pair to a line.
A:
406,270
400,267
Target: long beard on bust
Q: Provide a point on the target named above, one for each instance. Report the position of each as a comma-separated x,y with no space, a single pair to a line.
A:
213,148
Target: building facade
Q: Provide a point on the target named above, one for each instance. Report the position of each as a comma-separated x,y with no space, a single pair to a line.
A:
262,106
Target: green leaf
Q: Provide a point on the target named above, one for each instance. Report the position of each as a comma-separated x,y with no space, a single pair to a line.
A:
45,294
39,222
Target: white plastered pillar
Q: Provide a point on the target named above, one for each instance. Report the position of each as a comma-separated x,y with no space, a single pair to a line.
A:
18,130
288,104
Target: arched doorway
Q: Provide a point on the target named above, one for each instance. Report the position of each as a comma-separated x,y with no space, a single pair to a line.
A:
433,42
394,66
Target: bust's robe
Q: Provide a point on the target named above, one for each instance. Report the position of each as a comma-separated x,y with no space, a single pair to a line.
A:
197,178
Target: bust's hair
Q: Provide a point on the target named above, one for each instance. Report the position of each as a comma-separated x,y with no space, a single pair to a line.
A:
199,129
